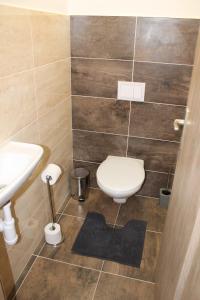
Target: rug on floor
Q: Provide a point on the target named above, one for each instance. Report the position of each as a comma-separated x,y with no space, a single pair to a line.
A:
123,245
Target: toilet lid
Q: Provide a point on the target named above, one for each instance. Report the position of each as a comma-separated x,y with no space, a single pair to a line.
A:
121,173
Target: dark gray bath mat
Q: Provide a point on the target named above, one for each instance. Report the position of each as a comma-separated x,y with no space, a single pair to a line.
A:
124,245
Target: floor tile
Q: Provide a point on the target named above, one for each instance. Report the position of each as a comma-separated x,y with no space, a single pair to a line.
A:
55,281
70,228
143,208
112,287
148,263
98,202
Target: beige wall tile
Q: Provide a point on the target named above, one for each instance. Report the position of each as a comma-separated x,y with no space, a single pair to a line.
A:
54,125
52,85
42,92
28,134
29,239
49,37
15,36
17,103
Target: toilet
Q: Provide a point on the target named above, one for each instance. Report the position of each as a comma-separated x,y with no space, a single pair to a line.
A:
120,177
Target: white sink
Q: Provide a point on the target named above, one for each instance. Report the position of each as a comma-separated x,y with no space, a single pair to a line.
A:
17,162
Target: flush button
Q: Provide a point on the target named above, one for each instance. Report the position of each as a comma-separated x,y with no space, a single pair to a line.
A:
131,91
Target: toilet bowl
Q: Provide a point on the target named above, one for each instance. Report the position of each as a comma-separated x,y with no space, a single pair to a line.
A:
120,177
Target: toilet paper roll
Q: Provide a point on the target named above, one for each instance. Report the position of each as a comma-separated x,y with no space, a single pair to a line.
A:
53,237
51,170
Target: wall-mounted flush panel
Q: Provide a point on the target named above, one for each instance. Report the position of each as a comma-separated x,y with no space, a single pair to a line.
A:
131,91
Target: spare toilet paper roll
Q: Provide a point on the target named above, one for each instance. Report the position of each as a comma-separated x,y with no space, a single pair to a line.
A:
53,237
51,170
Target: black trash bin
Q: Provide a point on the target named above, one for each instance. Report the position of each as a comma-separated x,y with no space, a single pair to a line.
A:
80,183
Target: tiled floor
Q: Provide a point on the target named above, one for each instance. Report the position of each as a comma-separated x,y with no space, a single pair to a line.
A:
57,274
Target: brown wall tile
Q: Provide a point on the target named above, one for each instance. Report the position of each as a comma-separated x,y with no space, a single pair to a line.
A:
97,77
92,146
157,155
152,184
166,40
92,167
155,120
102,37
97,114
165,83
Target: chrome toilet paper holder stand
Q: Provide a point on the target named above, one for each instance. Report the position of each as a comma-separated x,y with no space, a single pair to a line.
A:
53,215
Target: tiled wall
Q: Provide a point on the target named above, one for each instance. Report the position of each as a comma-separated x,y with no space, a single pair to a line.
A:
35,107
157,51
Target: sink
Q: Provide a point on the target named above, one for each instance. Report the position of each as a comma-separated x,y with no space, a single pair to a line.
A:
17,162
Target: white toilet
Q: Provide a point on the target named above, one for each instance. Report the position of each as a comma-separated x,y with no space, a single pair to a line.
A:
120,177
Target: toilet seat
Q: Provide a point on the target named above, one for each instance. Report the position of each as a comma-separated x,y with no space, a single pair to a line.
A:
120,176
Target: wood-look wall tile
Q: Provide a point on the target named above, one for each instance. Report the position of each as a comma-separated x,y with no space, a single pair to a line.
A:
97,77
165,83
152,184
91,167
102,37
166,40
92,146
157,155
155,120
103,115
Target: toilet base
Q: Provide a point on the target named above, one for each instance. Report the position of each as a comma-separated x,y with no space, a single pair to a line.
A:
120,200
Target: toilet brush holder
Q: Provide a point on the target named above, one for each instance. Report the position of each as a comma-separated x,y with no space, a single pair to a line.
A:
165,195
52,231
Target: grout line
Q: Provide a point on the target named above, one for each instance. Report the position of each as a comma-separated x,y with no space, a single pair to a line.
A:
154,139
66,263
137,195
73,216
129,60
129,122
124,135
134,48
98,280
163,63
100,58
87,161
34,68
115,223
168,104
132,278
92,269
154,231
100,132
96,97
145,102
25,277
96,163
